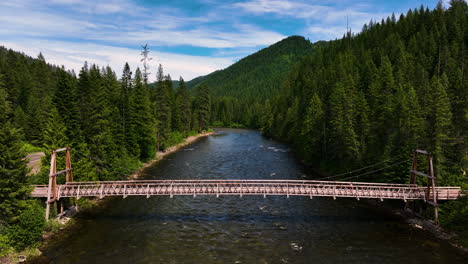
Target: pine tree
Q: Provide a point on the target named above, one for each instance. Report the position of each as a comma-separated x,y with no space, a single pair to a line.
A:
344,141
183,102
13,170
127,115
203,107
311,130
143,122
162,110
66,102
439,120
55,135
267,118
97,128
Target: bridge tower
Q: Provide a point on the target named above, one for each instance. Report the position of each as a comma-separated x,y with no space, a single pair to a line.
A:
431,192
52,187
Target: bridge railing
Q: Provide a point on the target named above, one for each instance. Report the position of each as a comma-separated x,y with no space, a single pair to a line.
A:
237,181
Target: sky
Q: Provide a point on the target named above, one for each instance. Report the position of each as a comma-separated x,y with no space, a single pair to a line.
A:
189,38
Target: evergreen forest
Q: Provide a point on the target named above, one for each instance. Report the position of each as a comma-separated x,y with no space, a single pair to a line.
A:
374,96
397,86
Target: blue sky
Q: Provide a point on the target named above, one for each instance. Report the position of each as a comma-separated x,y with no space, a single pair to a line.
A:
189,38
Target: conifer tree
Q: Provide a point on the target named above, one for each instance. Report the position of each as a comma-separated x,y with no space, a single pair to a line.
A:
203,107
143,122
344,140
162,110
183,103
98,127
127,112
312,130
13,171
439,120
66,103
55,135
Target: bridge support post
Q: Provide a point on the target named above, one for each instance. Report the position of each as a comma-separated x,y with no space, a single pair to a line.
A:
51,189
431,182
69,173
433,179
52,192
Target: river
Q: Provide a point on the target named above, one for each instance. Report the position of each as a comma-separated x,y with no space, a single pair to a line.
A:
241,230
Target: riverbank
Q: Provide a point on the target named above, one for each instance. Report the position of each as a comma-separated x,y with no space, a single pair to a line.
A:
161,154
417,222
56,226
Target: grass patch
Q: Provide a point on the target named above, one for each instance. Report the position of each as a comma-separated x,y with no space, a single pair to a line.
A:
28,148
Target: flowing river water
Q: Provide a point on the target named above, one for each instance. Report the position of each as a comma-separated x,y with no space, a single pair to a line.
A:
231,229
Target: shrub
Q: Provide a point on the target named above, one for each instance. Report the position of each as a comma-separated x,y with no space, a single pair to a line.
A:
28,148
174,139
4,245
27,230
218,124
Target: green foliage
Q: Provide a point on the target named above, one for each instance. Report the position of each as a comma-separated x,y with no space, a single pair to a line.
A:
454,215
5,247
111,125
27,230
217,124
202,106
258,75
142,122
53,225
13,171
368,97
162,109
175,138
28,148
365,98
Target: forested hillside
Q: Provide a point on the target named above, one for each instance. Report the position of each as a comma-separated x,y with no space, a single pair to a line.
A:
399,85
252,79
113,124
258,75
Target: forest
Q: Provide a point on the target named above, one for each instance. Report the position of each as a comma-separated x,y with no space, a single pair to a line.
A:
397,86
239,91
113,124
369,97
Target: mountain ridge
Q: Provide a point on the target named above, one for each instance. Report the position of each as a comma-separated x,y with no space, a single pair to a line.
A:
259,74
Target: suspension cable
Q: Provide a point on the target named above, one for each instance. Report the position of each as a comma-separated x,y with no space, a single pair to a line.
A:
363,174
353,171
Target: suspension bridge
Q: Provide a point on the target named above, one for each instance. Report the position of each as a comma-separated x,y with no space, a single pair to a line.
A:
430,194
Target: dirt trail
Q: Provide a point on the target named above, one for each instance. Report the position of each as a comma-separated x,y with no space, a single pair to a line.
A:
34,161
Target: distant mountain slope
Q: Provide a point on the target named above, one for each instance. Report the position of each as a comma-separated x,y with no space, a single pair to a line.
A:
258,75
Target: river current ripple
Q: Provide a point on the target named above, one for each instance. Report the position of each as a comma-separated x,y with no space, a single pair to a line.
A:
242,230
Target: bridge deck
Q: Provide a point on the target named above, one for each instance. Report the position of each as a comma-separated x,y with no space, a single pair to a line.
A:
248,187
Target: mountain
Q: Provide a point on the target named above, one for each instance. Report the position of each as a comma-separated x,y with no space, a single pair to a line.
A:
257,76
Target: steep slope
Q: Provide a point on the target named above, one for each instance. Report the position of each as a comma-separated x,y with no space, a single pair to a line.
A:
257,76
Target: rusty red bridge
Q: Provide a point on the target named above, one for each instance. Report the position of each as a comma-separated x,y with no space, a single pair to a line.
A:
309,188
240,188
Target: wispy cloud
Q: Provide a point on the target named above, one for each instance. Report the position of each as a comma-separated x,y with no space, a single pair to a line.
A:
282,7
191,38
323,21
73,56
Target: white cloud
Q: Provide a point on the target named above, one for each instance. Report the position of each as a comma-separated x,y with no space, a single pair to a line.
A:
324,21
243,36
64,30
283,7
73,55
